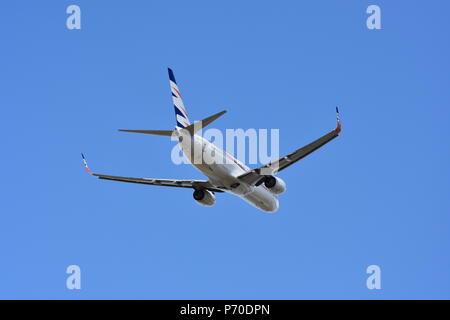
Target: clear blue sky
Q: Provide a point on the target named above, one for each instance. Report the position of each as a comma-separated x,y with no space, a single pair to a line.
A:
379,194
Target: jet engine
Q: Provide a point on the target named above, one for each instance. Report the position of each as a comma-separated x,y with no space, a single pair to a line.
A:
275,185
204,197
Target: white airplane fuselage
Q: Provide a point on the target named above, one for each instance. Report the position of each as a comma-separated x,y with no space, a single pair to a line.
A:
223,169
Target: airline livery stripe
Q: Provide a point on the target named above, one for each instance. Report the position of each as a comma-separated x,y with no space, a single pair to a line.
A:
179,104
171,76
182,120
178,111
178,92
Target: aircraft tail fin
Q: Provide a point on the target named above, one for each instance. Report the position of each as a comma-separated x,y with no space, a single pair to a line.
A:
181,116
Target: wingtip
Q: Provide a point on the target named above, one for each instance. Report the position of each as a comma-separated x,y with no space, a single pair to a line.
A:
338,128
86,165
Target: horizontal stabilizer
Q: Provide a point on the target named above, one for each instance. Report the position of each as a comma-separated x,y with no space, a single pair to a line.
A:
167,133
192,129
197,126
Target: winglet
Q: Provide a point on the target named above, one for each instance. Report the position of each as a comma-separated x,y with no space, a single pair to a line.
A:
338,128
85,164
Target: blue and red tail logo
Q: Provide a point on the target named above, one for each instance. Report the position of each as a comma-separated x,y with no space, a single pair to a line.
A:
180,111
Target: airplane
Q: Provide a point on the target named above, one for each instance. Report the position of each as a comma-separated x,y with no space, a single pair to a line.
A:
259,187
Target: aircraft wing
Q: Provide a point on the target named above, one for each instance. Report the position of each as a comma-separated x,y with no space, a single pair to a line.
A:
194,184
256,176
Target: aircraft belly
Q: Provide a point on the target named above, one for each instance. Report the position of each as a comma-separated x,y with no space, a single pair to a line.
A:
219,174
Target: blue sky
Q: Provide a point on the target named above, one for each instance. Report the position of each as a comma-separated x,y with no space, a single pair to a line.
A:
379,194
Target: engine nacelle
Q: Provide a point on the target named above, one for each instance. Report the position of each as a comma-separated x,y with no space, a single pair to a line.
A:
204,197
275,185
